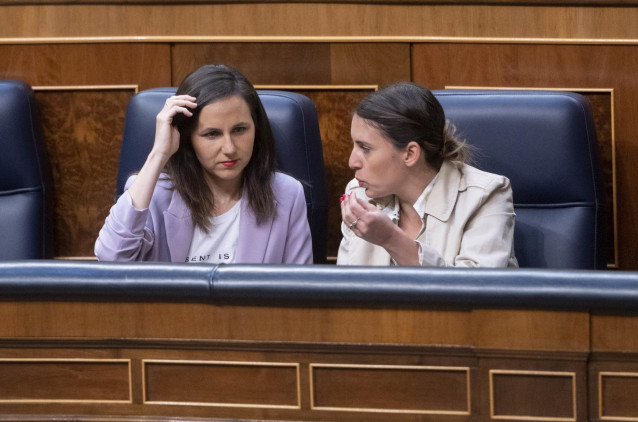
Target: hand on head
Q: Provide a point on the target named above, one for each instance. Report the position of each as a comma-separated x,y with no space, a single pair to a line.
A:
166,134
366,221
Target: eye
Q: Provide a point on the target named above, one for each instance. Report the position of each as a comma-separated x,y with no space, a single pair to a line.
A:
212,134
365,148
240,129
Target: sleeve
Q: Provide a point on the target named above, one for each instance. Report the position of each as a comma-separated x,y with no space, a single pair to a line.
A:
298,248
488,236
125,235
346,246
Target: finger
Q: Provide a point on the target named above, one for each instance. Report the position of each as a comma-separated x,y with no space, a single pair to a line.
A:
365,205
178,109
180,100
355,205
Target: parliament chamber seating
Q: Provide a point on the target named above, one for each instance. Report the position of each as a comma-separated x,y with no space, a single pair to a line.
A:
157,341
293,119
545,143
25,178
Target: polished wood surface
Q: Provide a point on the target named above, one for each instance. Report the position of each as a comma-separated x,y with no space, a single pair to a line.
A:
293,363
343,21
396,2
252,385
71,380
83,133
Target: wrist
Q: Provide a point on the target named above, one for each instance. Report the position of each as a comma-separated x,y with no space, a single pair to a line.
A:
158,158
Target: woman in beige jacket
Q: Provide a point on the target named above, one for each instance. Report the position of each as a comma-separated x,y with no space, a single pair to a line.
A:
414,200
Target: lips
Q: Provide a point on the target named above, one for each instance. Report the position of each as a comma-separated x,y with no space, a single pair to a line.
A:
229,163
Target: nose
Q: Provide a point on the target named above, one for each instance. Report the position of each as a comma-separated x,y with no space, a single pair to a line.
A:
228,147
354,162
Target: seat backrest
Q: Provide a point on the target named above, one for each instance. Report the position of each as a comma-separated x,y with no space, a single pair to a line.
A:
293,119
545,143
25,179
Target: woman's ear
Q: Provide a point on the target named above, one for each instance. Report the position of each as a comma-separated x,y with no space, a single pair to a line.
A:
412,154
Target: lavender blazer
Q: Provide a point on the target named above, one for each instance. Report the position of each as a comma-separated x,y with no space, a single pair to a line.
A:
164,230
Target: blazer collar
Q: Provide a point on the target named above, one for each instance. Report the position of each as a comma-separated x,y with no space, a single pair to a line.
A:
253,237
445,192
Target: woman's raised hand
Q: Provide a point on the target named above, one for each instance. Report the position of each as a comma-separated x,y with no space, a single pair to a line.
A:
166,144
166,134
366,221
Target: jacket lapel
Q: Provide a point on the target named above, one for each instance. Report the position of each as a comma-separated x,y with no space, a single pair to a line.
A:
253,238
444,193
179,228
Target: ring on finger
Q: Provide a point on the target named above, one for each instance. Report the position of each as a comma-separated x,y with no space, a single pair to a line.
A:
354,223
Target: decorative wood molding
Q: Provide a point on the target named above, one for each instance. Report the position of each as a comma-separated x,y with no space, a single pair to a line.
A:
317,39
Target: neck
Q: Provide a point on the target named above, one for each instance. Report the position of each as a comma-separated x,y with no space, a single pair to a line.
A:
417,179
225,193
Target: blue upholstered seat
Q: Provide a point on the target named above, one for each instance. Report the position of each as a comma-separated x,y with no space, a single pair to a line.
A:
25,178
293,119
545,143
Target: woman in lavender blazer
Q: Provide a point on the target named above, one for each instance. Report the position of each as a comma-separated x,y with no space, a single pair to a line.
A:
208,191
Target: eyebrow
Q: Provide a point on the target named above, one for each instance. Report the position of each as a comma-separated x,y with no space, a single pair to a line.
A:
209,129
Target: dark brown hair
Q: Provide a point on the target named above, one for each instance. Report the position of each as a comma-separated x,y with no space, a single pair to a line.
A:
406,112
209,84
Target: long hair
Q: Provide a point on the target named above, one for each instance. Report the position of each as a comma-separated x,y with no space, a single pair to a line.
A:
208,84
406,112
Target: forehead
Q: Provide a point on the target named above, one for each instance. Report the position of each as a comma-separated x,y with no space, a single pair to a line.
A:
364,131
228,110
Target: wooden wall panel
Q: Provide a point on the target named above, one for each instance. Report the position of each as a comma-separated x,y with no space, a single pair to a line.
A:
83,130
64,380
251,385
300,63
83,91
291,19
145,65
530,394
415,389
553,66
265,324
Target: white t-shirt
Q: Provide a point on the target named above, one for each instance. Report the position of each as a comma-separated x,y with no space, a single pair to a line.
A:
219,244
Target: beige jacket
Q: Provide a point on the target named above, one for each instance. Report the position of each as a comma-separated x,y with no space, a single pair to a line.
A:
468,221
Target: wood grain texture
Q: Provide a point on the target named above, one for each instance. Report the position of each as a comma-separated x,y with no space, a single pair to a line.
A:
533,395
397,2
358,353
64,380
418,390
614,333
261,63
318,20
145,65
618,395
533,330
299,63
83,132
184,321
554,66
252,385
